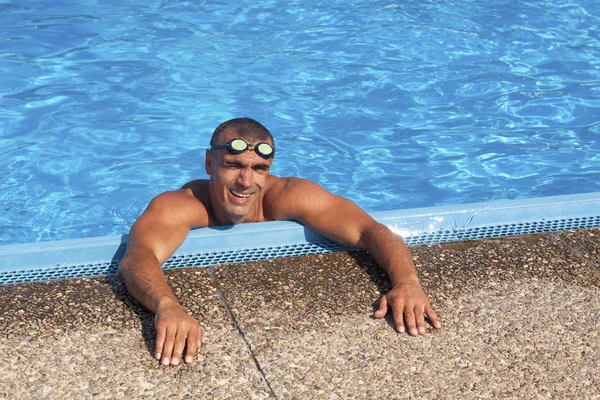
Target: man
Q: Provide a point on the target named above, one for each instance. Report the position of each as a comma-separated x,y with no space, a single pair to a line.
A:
239,190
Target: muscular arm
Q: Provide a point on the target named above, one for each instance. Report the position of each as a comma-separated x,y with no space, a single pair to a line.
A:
152,240
343,221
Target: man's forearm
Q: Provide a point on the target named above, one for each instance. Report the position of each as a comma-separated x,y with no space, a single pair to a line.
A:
391,254
145,280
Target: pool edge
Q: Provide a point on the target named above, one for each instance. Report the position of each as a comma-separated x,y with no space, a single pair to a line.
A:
98,256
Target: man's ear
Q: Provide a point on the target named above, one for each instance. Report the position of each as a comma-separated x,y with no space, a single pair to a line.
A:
208,163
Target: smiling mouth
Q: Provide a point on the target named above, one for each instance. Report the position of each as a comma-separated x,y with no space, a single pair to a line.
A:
240,195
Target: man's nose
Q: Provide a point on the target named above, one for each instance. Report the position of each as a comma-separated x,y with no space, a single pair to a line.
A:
246,177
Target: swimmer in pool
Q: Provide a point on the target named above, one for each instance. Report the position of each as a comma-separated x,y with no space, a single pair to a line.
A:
240,189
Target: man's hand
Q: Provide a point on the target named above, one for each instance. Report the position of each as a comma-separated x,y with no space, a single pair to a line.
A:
409,304
176,330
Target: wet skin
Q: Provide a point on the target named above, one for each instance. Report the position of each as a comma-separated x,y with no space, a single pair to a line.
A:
240,189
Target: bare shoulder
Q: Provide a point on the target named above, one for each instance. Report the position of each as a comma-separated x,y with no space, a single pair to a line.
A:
286,198
186,206
291,186
284,188
166,222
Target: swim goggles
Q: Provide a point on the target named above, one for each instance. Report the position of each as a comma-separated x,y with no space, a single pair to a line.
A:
238,146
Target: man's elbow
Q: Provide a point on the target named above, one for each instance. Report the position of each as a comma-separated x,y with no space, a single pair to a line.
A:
377,233
133,259
124,266
368,233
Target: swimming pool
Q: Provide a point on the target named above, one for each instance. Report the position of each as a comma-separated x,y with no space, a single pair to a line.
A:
395,106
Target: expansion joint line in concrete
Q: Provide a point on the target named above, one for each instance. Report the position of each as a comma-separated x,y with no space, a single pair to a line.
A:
223,298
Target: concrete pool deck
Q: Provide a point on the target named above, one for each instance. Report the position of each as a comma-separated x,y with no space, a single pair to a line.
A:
521,319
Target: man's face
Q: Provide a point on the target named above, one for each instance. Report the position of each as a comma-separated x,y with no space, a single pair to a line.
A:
236,180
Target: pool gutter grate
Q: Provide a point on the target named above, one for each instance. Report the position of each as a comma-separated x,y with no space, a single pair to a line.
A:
418,227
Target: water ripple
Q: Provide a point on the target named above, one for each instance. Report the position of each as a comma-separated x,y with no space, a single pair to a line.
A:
103,106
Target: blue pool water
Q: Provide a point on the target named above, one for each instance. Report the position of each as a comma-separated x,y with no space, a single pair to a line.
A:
104,105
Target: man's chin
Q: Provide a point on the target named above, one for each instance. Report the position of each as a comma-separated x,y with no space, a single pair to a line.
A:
236,212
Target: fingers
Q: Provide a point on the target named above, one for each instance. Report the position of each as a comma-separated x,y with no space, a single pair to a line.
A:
175,336
433,318
415,319
420,320
180,340
161,334
193,343
410,320
410,307
397,308
167,350
383,308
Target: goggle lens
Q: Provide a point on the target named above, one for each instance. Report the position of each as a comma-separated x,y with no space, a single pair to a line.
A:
264,149
238,145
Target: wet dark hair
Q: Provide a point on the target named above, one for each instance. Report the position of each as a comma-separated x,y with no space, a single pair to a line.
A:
246,128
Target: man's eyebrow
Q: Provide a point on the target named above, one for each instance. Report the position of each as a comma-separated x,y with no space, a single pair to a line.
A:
239,164
262,166
234,163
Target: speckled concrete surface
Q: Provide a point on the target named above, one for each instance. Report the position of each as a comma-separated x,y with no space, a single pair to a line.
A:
521,316
585,244
87,338
521,320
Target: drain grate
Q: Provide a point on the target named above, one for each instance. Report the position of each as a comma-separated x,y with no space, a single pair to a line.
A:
527,228
317,247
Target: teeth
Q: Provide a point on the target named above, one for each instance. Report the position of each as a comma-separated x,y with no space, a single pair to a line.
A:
240,194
